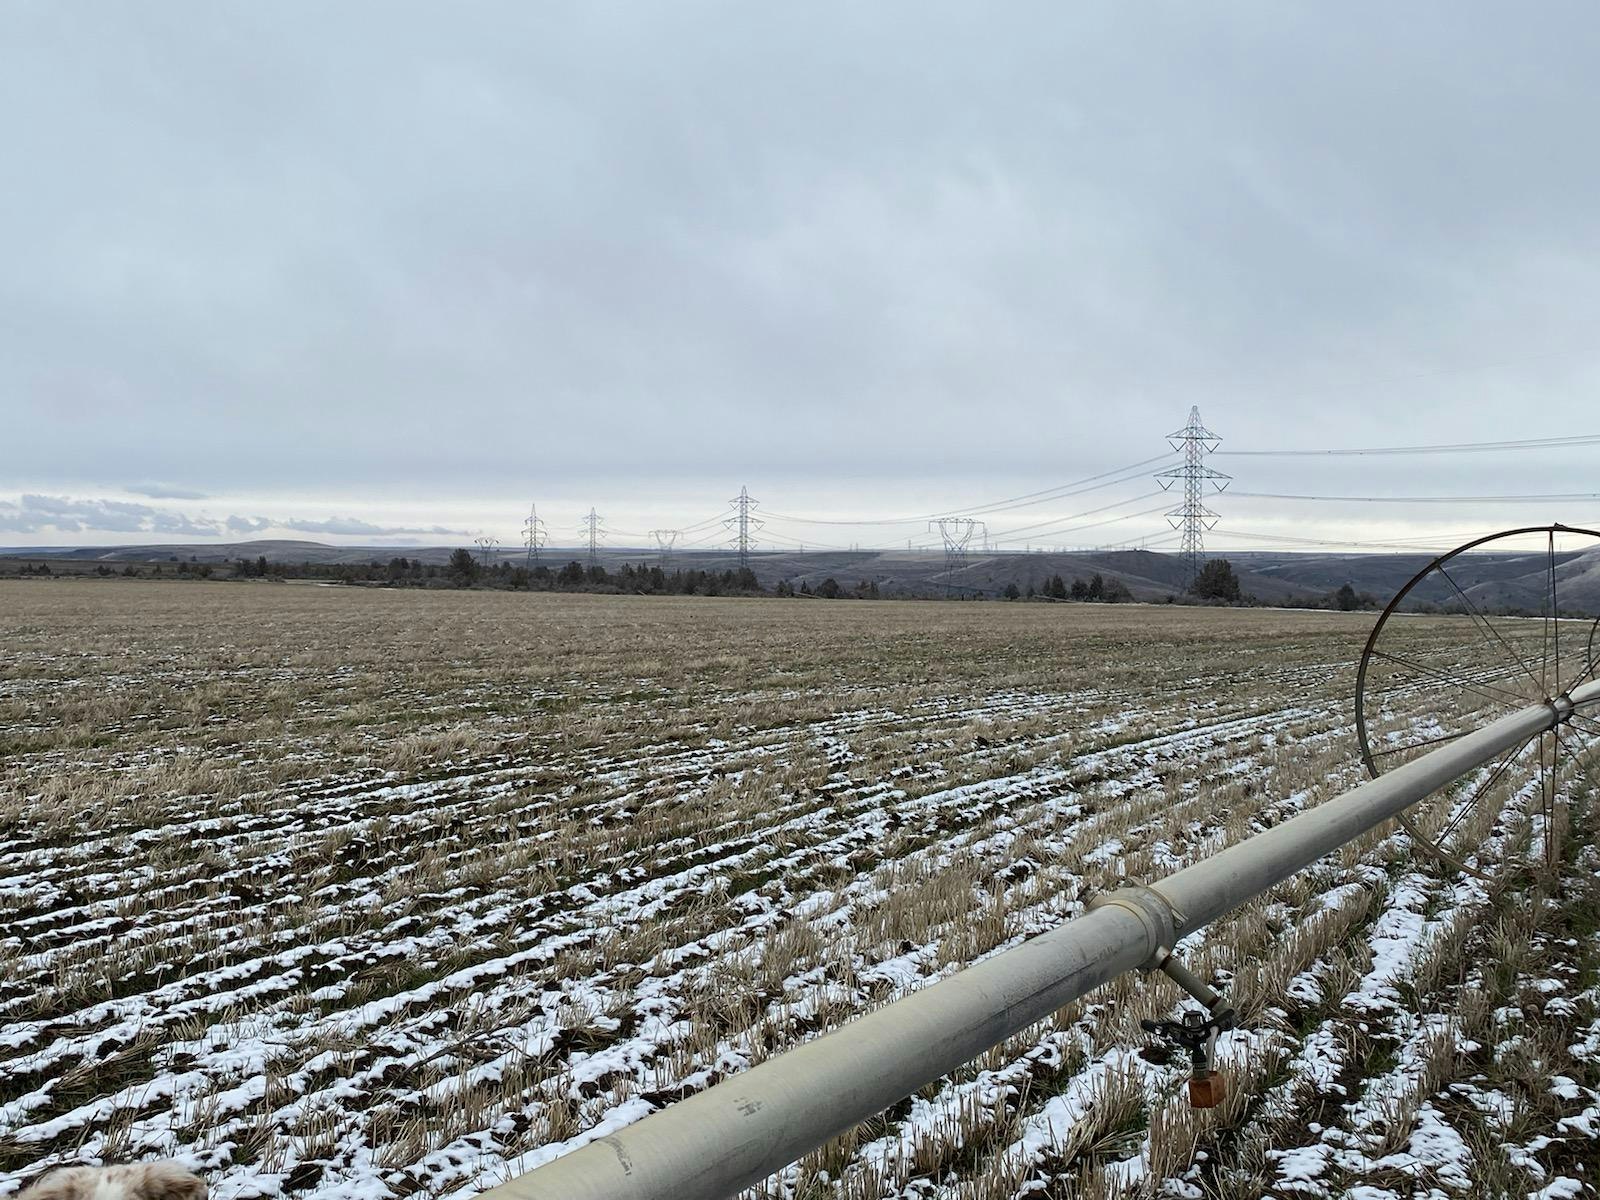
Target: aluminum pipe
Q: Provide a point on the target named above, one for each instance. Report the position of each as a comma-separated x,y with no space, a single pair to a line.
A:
712,1145
1203,892
740,1131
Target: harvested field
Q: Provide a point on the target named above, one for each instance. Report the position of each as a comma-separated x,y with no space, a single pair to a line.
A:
356,893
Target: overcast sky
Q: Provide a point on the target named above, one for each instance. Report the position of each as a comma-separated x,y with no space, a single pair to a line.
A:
391,271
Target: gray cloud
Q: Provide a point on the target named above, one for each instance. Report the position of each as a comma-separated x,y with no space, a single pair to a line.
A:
879,256
350,527
33,513
165,491
63,514
179,524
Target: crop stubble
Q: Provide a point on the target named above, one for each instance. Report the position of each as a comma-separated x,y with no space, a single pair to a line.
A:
347,892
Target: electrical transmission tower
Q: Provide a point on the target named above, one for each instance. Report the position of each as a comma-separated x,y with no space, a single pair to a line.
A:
957,534
591,534
1193,518
743,524
486,544
533,536
665,540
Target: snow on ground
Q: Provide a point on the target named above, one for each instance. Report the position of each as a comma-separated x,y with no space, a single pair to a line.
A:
422,984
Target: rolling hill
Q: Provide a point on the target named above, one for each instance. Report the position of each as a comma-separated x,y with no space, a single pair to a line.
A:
1494,581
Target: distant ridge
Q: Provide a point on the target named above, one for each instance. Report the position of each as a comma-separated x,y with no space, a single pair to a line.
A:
1275,577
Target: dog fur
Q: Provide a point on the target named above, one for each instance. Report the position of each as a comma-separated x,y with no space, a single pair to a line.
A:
141,1181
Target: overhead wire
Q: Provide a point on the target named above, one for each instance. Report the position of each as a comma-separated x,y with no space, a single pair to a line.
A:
1111,478
1090,525
1027,499
1583,439
1516,499
1061,492
699,541
1011,534
709,521
1419,545
768,536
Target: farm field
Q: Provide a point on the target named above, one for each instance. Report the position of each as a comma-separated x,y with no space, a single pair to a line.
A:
355,893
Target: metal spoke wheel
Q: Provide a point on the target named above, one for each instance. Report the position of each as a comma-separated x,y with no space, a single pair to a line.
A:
1493,626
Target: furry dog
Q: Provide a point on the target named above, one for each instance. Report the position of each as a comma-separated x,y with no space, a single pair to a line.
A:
141,1181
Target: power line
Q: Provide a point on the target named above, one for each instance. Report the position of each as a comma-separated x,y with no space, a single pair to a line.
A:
1160,508
1062,491
696,526
1419,545
1058,492
1192,519
1010,535
1555,496
711,538
1584,439
1163,540
803,545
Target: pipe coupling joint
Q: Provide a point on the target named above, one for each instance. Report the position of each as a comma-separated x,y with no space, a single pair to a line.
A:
1155,913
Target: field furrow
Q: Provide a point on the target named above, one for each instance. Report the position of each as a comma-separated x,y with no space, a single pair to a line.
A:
341,893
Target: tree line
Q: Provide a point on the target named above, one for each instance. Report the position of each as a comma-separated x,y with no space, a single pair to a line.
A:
1096,589
1216,582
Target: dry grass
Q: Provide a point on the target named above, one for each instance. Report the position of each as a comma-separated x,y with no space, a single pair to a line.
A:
318,886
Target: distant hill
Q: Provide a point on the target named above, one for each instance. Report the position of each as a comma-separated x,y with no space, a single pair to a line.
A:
275,550
1496,581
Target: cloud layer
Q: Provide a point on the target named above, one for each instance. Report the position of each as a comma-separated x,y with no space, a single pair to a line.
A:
165,491
854,255
36,514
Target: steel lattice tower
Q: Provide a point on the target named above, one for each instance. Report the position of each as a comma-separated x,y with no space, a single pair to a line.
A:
743,524
533,535
665,540
1193,518
956,533
592,533
486,544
